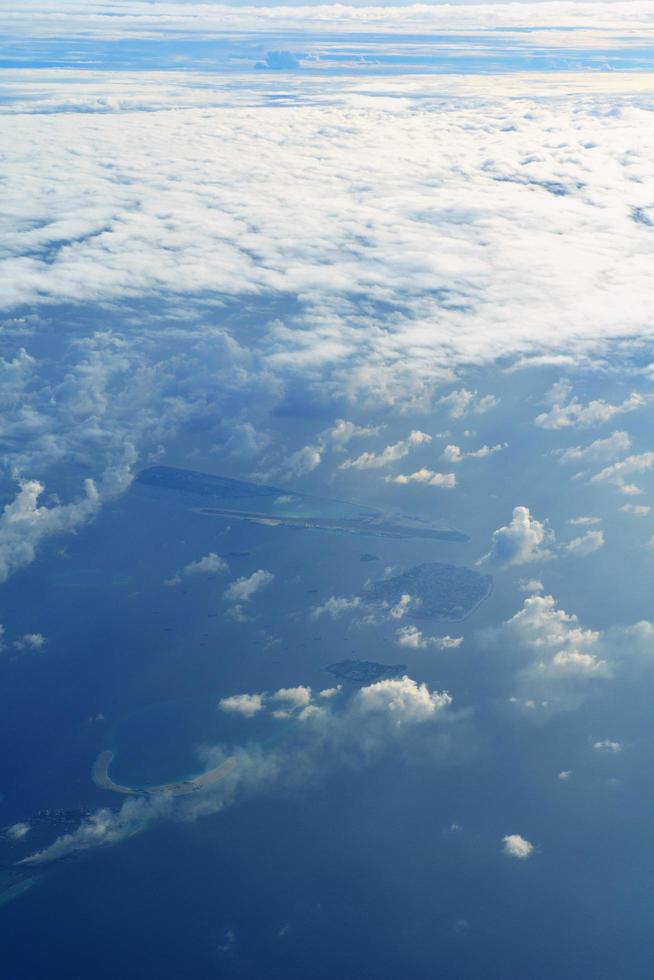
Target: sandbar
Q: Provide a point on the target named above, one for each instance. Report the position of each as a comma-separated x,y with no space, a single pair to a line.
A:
183,787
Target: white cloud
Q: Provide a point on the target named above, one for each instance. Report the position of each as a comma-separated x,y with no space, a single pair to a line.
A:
330,692
454,454
516,846
336,606
565,775
293,697
590,542
211,564
236,614
637,510
17,831
247,705
557,660
572,412
601,449
584,520
615,473
413,638
342,432
30,641
531,585
428,477
607,745
464,402
24,525
304,461
405,603
394,715
401,702
368,460
244,588
522,541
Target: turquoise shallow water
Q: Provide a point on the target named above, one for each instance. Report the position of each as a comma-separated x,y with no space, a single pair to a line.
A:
164,742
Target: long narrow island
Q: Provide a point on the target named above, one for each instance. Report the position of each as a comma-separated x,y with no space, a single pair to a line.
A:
183,787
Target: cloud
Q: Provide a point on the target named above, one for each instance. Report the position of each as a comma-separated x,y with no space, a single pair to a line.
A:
521,541
336,606
304,461
236,614
246,705
293,697
24,524
392,716
244,588
211,564
557,661
615,473
638,510
454,454
464,402
405,603
516,846
30,641
369,461
413,638
601,449
570,412
584,520
17,831
343,431
428,477
607,745
590,542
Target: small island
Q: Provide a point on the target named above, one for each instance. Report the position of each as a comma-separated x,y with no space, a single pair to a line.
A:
182,787
448,593
258,503
366,671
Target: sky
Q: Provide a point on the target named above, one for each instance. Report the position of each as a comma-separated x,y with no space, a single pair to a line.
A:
390,256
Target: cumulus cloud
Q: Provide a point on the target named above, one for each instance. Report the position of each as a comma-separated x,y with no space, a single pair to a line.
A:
247,705
211,564
454,454
17,831
293,697
598,451
343,431
607,745
616,474
523,540
336,606
637,510
428,477
586,544
304,461
558,661
566,412
411,637
369,461
30,641
383,718
24,524
464,402
516,846
244,588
